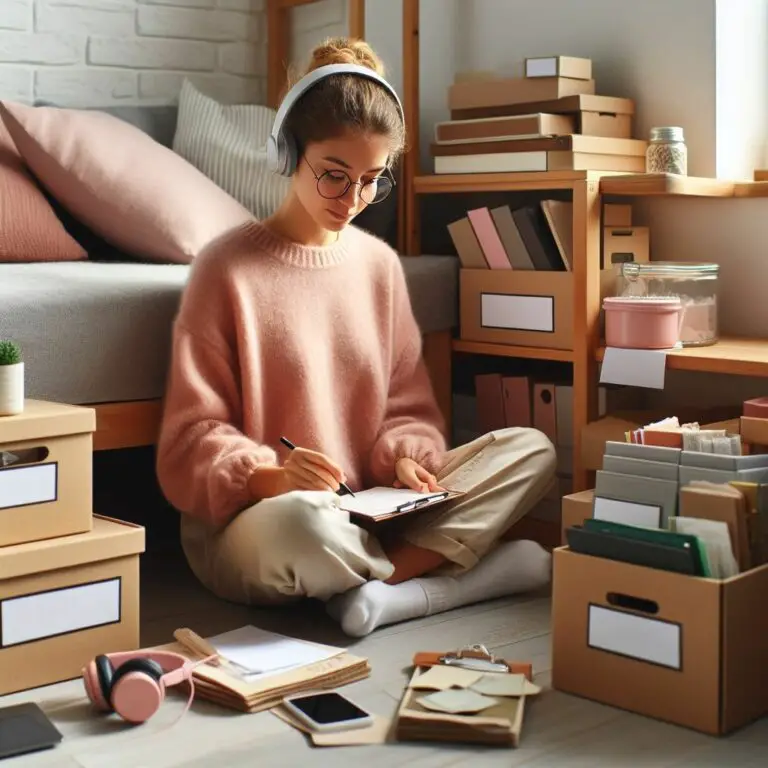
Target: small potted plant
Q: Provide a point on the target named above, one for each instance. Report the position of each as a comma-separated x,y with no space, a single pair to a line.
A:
11,379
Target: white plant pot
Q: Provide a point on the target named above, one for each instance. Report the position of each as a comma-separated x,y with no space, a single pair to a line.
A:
11,389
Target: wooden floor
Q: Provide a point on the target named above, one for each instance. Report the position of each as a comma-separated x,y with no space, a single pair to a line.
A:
559,730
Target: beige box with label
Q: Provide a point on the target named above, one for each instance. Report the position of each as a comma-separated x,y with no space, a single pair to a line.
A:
678,648
46,474
65,600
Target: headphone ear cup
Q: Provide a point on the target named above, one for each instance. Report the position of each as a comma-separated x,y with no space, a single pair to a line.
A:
289,152
136,692
97,680
273,155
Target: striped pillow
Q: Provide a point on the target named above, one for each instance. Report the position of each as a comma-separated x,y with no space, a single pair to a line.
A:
227,143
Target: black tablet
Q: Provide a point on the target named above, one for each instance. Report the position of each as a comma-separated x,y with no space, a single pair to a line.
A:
26,728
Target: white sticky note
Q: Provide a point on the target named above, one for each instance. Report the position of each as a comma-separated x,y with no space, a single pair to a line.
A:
634,367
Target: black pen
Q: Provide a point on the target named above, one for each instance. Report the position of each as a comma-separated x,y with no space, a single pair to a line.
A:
288,444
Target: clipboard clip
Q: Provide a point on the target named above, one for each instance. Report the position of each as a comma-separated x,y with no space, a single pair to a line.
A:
475,657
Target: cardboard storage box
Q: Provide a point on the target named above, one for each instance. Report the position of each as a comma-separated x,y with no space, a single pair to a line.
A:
48,493
63,601
623,244
520,307
606,124
678,648
576,508
754,431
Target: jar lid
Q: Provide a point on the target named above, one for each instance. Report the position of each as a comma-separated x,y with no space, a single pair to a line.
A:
667,133
643,303
680,269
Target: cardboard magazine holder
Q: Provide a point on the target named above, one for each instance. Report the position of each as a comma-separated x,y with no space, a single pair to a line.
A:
678,648
46,476
63,601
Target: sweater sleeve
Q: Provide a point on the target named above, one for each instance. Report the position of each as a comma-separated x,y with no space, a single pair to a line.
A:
203,459
413,425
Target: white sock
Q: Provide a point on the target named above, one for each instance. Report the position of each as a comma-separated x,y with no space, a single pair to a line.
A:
514,566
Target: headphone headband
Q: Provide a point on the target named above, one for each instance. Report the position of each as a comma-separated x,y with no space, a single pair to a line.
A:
281,147
176,668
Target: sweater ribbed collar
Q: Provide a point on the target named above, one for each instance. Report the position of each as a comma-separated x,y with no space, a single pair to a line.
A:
297,255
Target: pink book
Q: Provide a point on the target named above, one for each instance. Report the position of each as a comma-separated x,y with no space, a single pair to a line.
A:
488,237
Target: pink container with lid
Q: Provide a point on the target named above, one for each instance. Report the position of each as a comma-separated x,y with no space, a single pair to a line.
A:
642,323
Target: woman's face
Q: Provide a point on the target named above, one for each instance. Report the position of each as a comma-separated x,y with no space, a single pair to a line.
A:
328,167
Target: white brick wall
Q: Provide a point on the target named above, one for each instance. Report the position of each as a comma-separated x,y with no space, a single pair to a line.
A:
79,53
104,52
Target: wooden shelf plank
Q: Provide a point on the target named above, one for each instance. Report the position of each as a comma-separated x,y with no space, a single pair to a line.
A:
751,188
735,356
497,182
507,350
665,184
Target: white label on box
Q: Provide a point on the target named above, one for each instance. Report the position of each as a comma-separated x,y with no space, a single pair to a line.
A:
652,640
517,313
22,486
541,67
59,612
634,367
627,512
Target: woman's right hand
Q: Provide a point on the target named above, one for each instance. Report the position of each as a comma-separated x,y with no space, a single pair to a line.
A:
306,470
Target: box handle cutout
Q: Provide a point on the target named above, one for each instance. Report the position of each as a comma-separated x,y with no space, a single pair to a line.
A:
25,456
622,232
632,603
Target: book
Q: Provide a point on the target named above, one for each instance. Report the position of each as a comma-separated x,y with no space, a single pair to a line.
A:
376,504
219,685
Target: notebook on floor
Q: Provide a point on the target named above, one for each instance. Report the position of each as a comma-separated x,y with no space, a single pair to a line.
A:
376,504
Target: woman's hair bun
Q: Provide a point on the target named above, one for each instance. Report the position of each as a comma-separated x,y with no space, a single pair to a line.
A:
344,50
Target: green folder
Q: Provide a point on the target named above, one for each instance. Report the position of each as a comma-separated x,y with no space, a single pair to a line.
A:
656,536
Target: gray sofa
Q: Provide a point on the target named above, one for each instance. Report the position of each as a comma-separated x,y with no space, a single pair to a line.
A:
98,331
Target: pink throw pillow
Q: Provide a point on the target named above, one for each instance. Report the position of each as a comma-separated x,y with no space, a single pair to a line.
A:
29,228
135,193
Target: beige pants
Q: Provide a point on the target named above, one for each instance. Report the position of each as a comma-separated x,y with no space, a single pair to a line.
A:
301,544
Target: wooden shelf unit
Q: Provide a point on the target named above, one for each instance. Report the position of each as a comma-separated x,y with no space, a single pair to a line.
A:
748,357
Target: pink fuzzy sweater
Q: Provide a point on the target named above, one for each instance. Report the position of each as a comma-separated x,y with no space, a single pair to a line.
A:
318,344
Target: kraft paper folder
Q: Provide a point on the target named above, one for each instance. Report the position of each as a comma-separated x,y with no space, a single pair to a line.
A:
216,684
499,725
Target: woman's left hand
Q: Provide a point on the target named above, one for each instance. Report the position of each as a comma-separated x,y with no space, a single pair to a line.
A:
412,475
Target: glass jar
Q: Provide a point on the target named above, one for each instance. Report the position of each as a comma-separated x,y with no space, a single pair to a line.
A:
696,285
667,152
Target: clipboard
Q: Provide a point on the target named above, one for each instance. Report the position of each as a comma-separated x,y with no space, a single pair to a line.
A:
500,724
379,504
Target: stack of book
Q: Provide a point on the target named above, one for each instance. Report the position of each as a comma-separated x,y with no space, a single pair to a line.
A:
549,120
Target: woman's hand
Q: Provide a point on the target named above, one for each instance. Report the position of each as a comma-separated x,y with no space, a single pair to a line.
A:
412,475
306,470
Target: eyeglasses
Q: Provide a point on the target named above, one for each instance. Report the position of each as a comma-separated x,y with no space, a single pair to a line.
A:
334,184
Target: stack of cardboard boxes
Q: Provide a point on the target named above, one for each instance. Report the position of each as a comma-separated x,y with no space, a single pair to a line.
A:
549,120
669,643
69,579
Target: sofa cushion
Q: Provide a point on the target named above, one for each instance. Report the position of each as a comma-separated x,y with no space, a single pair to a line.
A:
136,194
29,228
228,143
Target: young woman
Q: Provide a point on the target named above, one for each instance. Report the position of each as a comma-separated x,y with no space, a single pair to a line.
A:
301,326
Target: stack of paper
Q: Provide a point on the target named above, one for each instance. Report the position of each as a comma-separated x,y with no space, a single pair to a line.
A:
261,668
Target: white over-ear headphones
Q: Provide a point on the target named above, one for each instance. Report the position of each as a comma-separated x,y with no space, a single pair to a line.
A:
282,153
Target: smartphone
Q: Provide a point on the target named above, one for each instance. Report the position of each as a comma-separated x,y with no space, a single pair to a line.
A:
327,711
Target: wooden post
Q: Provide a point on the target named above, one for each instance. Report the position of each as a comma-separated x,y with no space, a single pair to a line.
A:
356,19
409,219
586,317
278,50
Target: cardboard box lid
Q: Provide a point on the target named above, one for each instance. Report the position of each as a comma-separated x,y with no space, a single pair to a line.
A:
42,419
109,539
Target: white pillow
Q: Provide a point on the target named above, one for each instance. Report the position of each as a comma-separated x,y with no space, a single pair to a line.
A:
227,143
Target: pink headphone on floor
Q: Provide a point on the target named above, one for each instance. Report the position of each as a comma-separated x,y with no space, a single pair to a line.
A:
133,683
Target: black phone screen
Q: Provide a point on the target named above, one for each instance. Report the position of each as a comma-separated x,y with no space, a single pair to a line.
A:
326,708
